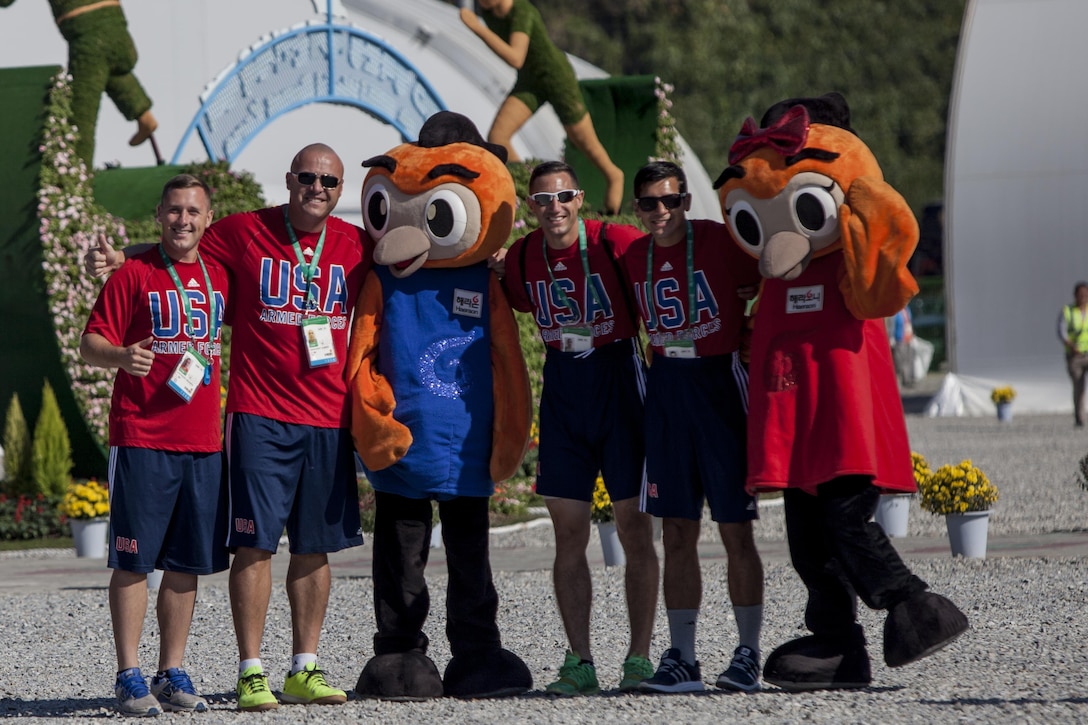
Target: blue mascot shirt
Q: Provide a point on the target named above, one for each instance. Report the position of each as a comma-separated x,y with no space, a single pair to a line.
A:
435,350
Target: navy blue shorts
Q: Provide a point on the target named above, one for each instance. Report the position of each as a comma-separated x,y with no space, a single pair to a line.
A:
591,421
294,477
167,511
696,427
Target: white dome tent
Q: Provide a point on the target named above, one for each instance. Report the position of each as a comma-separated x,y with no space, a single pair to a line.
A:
1016,177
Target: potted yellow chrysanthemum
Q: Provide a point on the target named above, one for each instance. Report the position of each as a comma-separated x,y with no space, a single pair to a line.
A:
1002,398
86,505
893,509
602,514
965,496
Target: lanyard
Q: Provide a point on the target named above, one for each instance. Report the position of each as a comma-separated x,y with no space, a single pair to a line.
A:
583,251
213,327
650,304
308,270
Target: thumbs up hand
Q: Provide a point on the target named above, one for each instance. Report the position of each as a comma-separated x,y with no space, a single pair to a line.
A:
102,259
136,359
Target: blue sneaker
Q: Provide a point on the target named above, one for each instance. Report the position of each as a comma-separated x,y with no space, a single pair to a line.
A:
133,697
674,675
175,692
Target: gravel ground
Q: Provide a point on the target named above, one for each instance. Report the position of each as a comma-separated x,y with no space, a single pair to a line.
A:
1024,659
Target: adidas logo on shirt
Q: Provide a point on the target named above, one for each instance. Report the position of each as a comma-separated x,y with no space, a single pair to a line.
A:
193,283
307,252
560,267
666,267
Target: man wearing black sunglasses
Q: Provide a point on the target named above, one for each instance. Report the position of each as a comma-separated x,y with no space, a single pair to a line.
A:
566,274
296,270
691,283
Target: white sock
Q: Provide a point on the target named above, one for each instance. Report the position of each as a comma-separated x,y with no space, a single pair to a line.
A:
749,624
246,664
682,632
299,661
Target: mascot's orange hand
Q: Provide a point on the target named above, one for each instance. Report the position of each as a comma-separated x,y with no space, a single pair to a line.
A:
879,234
380,439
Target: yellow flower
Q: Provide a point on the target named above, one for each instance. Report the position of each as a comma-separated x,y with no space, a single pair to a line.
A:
921,468
601,508
85,501
1002,395
957,489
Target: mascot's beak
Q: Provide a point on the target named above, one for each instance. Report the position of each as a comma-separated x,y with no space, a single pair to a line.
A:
403,249
785,256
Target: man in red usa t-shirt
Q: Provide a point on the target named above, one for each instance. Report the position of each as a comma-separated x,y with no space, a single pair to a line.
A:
567,275
295,272
158,321
691,283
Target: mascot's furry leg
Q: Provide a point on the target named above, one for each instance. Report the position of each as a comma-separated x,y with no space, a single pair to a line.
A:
840,555
480,667
400,668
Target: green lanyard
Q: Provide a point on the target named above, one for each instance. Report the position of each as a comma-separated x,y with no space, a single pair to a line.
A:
213,321
650,303
308,270
583,251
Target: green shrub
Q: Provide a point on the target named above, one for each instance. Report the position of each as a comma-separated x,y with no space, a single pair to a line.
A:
17,451
52,450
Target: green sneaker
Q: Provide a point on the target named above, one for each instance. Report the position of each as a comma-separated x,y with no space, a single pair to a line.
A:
575,678
635,670
253,692
308,687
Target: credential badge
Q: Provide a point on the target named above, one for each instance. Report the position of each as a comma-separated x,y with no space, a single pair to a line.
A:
804,299
467,303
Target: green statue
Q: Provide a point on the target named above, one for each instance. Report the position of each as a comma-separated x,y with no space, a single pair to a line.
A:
101,56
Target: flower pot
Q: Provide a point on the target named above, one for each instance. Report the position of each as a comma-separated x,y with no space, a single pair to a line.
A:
967,533
610,544
1004,412
892,513
89,537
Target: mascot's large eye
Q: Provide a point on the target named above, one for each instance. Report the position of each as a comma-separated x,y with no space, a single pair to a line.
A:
744,222
446,218
376,211
816,211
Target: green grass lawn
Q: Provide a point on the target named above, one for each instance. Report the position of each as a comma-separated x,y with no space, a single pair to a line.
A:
60,542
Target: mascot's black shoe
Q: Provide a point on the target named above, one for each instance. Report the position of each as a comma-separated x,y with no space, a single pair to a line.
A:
819,663
407,676
495,674
920,626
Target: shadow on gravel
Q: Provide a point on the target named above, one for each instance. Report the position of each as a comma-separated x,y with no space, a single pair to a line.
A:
56,708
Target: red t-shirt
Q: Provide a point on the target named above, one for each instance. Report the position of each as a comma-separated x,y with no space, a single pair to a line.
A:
270,373
139,301
719,267
823,399
612,320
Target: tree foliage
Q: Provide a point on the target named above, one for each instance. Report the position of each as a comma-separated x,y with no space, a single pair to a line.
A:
17,478
729,59
52,451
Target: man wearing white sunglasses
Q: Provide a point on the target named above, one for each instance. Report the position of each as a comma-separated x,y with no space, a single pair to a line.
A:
567,275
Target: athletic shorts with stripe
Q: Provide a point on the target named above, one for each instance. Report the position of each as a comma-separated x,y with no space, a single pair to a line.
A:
591,419
168,511
295,477
696,429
